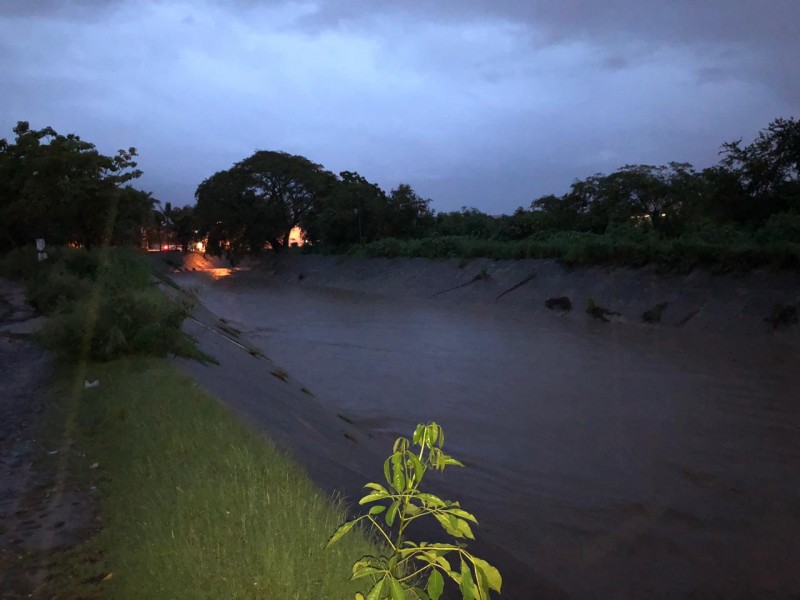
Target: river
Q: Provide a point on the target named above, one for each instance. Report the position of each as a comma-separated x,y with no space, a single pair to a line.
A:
612,460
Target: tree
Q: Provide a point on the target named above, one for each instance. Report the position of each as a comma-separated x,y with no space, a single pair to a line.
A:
352,212
62,189
767,170
182,225
467,222
258,201
659,196
408,215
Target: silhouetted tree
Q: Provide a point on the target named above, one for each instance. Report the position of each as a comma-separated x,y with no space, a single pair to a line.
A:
61,188
258,201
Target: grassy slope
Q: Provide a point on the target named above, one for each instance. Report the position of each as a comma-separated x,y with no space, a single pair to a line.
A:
194,504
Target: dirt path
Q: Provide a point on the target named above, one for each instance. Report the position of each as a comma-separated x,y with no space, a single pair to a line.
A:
42,514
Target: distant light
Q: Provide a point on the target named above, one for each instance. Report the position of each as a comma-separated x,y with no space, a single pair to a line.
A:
296,236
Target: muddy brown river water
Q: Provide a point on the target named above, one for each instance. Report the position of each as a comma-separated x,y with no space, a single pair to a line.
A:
612,460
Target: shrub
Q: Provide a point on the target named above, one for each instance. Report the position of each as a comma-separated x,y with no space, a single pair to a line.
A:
110,325
782,227
102,303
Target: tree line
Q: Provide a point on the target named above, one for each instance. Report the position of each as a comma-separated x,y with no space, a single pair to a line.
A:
61,188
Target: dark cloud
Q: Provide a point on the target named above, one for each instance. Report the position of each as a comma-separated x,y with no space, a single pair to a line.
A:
83,10
758,39
478,103
677,21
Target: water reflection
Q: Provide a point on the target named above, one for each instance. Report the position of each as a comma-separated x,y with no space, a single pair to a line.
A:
219,273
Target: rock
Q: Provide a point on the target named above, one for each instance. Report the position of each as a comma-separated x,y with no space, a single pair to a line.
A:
561,303
598,312
654,314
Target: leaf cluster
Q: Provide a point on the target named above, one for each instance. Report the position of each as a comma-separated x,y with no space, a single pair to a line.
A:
418,570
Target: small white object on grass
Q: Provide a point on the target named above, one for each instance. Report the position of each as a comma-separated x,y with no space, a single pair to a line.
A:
91,384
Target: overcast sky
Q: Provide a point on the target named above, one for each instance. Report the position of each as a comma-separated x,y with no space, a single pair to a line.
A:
479,103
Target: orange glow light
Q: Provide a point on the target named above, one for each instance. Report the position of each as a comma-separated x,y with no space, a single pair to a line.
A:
296,236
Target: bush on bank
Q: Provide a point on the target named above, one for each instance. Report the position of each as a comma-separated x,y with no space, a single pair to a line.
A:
715,248
102,303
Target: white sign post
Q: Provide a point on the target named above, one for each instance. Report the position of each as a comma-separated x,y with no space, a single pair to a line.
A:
40,249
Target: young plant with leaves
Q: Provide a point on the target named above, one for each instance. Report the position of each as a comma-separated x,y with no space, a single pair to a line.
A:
418,571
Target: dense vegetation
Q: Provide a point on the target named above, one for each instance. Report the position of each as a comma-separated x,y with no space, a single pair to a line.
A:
62,189
102,304
743,212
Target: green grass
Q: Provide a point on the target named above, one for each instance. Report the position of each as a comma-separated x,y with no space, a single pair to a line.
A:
194,504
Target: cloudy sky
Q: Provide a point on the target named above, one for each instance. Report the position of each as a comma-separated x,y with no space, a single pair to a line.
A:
484,103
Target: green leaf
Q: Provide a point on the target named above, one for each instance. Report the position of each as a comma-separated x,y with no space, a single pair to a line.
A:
365,566
430,500
377,487
446,525
400,445
386,470
366,561
343,529
464,528
396,589
373,497
364,571
444,563
436,558
454,526
399,480
431,433
419,468
412,509
376,591
435,585
419,433
492,575
463,514
418,594
467,585
359,596
392,512
376,510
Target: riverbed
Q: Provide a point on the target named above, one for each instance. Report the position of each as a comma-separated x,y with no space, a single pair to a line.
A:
611,460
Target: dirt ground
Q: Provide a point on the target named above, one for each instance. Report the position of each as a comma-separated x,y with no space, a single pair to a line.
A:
43,514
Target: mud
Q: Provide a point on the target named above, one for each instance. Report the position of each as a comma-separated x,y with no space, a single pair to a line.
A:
41,514
610,459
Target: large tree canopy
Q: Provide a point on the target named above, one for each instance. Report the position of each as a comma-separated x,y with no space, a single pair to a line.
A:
62,189
751,184
258,201
356,211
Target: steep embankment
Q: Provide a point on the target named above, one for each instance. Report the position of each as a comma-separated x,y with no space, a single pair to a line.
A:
762,302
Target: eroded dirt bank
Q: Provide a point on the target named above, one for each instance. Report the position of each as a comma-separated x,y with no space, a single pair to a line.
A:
610,459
